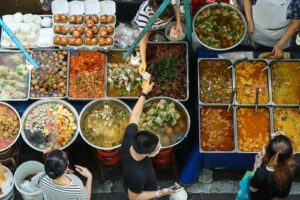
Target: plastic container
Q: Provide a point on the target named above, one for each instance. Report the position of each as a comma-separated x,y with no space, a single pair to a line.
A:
168,29
8,186
24,170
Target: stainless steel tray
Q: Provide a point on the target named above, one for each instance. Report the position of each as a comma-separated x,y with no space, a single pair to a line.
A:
187,66
272,62
68,83
233,125
66,80
268,82
199,84
29,76
107,84
236,125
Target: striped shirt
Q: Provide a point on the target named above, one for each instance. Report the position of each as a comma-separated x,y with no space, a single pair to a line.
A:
145,13
73,191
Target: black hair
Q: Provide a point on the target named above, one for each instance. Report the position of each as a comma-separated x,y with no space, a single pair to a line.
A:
167,13
56,163
145,142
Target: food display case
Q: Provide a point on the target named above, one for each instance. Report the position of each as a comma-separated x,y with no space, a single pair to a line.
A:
264,97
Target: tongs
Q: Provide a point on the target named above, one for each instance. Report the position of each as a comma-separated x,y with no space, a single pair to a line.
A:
256,100
231,99
73,51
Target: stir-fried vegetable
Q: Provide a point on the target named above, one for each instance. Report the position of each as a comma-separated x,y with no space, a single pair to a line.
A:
124,78
219,26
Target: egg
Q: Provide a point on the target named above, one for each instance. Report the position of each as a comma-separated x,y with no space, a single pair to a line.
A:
109,41
87,17
80,29
56,40
102,28
95,18
57,29
57,18
94,41
87,41
102,41
110,29
89,23
103,19
71,29
65,30
79,19
64,18
76,34
89,34
64,41
72,41
72,19
78,42
103,33
95,29
110,19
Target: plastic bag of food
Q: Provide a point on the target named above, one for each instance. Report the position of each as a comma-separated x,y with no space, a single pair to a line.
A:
28,186
237,55
244,192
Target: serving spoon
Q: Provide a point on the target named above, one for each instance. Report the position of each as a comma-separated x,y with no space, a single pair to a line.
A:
256,100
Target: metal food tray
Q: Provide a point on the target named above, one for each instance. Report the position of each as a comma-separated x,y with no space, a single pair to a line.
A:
199,84
272,113
271,63
29,77
29,46
187,65
106,77
267,70
66,80
236,125
68,83
233,125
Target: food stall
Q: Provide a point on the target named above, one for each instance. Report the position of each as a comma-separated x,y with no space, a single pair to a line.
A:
85,88
241,101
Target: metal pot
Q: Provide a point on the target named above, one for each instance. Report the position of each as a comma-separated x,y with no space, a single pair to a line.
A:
88,107
220,5
44,101
17,136
183,109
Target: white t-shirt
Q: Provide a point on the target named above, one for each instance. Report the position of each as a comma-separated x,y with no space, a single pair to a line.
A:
145,13
74,191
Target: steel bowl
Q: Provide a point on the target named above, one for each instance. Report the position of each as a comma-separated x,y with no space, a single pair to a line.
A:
220,5
183,109
20,127
44,101
89,107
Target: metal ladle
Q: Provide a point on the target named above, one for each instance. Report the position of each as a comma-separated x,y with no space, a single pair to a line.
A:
231,99
256,100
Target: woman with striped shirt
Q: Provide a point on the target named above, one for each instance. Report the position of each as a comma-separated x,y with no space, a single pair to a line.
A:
56,183
145,13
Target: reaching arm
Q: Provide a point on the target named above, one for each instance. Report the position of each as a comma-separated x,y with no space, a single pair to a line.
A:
249,16
292,28
138,108
143,49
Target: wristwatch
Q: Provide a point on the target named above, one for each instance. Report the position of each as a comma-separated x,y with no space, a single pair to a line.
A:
143,94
